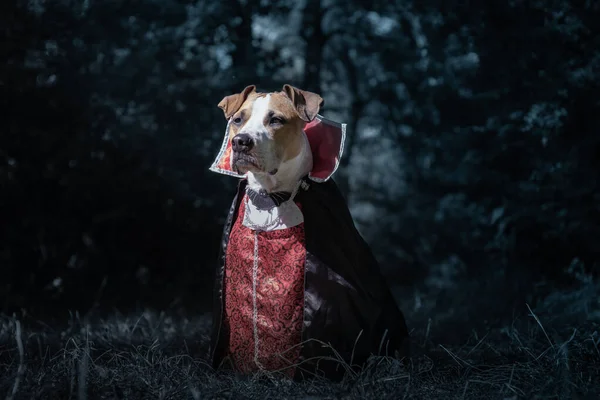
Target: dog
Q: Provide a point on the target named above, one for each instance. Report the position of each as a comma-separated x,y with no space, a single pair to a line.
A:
297,289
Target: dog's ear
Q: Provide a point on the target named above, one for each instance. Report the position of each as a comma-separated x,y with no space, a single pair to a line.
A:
230,104
307,104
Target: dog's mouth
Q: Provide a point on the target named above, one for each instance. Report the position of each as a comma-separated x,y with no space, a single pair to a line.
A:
244,162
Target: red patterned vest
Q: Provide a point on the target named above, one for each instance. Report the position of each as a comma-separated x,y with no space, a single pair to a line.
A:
264,297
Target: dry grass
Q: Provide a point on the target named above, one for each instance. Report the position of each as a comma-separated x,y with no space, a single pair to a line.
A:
157,356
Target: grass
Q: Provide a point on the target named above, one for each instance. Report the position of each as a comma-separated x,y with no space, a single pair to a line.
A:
544,354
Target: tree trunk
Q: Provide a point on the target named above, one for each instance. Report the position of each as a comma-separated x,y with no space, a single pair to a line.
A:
314,39
244,54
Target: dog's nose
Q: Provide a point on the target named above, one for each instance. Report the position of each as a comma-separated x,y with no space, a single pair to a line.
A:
242,143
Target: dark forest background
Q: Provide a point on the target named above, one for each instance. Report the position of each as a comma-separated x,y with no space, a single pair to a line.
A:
472,161
471,166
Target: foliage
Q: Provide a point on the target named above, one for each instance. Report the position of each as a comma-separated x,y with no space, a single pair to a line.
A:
471,158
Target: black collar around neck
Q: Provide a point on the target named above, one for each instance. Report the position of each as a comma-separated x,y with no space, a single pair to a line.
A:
266,201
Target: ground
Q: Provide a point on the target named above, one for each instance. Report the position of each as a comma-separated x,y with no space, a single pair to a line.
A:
551,352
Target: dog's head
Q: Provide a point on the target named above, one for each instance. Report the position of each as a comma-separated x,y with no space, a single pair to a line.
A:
266,128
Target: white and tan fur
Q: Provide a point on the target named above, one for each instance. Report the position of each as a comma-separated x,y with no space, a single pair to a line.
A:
280,154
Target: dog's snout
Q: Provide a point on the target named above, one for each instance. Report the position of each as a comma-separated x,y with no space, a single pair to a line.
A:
242,142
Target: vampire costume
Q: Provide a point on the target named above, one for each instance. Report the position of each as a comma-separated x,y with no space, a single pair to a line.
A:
297,288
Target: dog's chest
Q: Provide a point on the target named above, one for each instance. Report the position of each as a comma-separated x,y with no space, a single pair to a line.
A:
264,296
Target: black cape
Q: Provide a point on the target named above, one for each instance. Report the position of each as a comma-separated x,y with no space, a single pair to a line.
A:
347,303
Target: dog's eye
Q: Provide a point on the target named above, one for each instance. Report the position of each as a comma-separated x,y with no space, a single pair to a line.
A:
237,120
276,121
